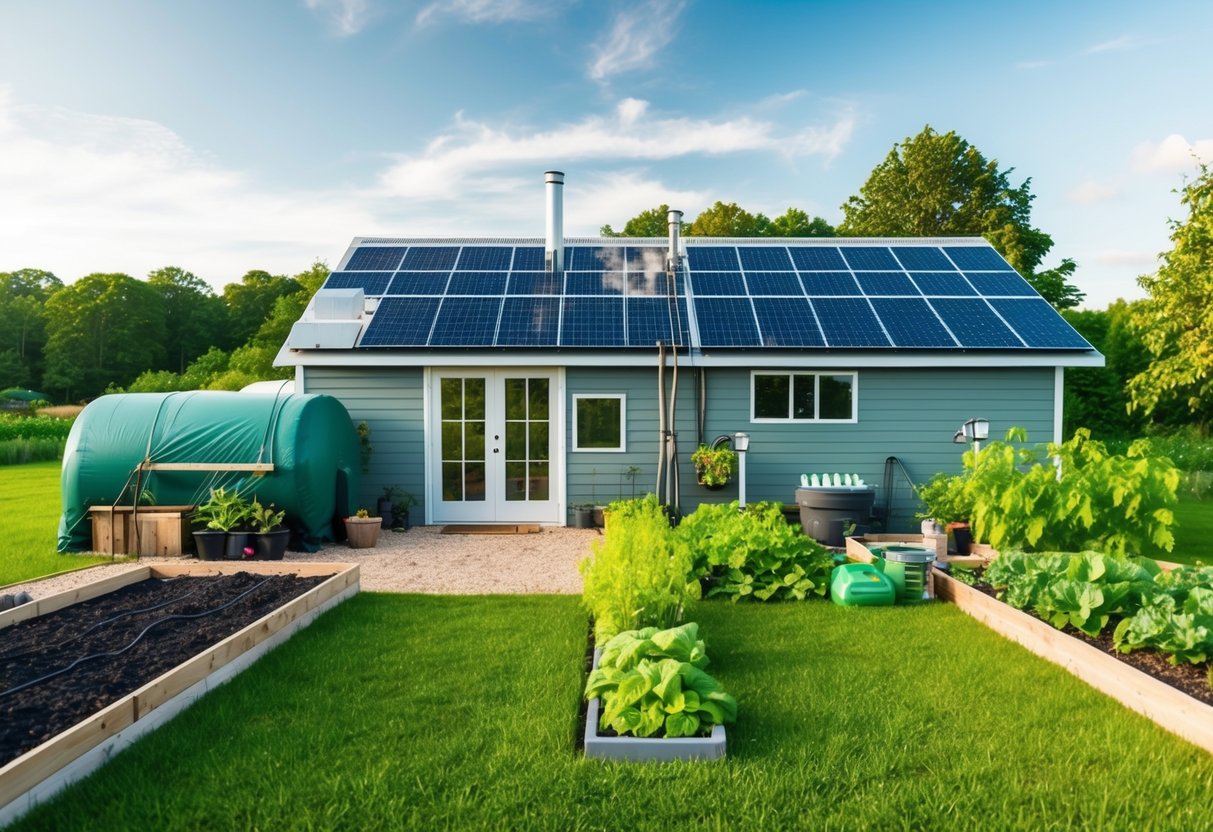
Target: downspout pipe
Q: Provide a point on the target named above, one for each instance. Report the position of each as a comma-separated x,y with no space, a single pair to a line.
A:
660,489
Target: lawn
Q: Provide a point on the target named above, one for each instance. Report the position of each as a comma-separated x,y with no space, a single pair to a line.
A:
29,524
426,712
1193,531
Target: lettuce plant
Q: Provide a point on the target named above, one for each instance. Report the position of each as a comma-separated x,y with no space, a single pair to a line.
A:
651,682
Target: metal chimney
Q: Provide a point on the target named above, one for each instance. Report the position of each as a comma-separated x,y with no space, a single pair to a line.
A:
554,247
675,221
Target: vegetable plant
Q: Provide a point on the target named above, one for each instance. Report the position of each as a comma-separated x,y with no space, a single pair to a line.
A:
652,683
640,573
223,511
715,466
946,499
264,518
754,553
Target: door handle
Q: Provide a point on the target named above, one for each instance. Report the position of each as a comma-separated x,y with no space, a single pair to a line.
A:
494,450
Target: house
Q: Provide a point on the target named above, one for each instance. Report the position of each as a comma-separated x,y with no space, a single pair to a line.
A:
509,379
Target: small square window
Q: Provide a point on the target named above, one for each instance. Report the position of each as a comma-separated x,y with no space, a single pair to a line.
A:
803,397
599,422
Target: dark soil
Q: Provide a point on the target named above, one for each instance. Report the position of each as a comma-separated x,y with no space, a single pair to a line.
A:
39,647
1192,679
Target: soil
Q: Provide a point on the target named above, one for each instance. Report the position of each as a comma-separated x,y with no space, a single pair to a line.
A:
1192,679
36,648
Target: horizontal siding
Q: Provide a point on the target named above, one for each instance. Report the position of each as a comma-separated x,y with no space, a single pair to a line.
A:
390,401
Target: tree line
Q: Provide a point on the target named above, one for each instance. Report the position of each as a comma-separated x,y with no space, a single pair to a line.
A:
172,332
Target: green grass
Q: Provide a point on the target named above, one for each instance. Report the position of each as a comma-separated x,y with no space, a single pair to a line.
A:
29,524
1194,531
458,713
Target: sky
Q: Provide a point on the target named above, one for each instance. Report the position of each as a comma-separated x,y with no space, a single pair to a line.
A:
224,135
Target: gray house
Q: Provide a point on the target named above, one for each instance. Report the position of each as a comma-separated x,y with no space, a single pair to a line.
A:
507,380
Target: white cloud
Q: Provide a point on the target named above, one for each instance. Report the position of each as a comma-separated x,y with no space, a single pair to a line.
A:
487,11
471,147
1114,45
347,16
1123,257
82,193
1174,153
637,34
1092,191
615,197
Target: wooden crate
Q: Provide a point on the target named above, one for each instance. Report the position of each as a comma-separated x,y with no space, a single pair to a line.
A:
163,531
40,773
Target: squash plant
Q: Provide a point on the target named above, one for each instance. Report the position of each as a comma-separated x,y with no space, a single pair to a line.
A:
651,682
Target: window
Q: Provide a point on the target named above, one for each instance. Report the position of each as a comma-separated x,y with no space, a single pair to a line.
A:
598,422
803,397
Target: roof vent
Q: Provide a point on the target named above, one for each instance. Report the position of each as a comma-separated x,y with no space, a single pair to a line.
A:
675,221
554,244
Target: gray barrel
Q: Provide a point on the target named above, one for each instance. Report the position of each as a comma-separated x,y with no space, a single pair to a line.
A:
826,511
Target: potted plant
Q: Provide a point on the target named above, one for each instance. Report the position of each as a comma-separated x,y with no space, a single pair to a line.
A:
222,513
948,504
714,466
394,506
269,535
583,516
362,530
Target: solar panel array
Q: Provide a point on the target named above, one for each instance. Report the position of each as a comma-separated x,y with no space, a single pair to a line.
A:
849,296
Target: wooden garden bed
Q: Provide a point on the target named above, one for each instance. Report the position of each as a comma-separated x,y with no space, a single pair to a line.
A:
152,531
1170,708
74,753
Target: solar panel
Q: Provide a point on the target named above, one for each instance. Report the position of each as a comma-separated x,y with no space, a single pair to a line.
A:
712,258
534,283
593,283
592,322
974,323
418,283
717,283
829,283
529,259
653,283
921,258
787,322
648,259
485,258
849,322
376,258
764,259
401,322
466,322
869,258
649,322
773,283
430,258
817,259
910,322
726,322
371,283
1000,283
532,321
942,283
977,258
476,283
1039,324
595,258
885,283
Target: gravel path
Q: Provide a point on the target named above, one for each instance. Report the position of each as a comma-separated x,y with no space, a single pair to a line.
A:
424,560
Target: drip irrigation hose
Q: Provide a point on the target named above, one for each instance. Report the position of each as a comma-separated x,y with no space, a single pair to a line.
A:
99,625
138,638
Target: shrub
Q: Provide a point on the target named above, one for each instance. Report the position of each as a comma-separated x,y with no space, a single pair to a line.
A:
754,553
638,575
25,438
946,499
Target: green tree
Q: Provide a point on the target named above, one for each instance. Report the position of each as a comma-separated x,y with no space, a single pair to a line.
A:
723,220
654,222
250,302
1176,320
194,317
1095,397
937,184
102,330
728,220
797,223
23,296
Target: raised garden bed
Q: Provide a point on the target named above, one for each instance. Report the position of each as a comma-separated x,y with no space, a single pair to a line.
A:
150,531
82,717
1167,706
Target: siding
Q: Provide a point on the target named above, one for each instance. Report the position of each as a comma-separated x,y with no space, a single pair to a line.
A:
389,400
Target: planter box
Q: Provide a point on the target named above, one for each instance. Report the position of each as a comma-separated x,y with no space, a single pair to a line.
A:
162,531
857,548
648,749
40,773
1172,709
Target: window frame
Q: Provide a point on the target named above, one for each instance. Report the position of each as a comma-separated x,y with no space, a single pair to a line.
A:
623,423
816,374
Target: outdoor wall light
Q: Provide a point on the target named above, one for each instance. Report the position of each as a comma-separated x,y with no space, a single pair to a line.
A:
741,442
975,431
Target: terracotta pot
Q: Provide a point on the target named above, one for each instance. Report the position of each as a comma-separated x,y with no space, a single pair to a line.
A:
363,532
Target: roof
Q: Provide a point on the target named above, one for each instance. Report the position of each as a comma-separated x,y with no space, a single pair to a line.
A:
844,301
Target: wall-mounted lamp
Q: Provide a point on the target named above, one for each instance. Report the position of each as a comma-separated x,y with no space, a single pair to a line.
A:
741,444
975,431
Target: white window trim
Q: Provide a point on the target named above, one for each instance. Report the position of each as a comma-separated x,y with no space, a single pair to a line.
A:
854,374
623,422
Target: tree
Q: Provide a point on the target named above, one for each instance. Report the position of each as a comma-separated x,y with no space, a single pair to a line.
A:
723,220
728,220
250,302
194,317
654,222
102,330
1176,320
1095,397
937,184
796,223
23,296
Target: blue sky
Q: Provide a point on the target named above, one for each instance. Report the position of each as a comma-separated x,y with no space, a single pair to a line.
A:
222,136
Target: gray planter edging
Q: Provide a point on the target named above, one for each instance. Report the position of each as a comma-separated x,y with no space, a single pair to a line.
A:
648,749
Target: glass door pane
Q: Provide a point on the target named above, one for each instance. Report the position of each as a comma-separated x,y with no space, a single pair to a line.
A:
527,430
463,411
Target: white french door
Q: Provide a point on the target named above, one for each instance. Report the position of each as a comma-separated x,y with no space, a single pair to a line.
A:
492,454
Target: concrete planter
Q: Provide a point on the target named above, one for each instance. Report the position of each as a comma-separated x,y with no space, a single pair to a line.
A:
363,532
